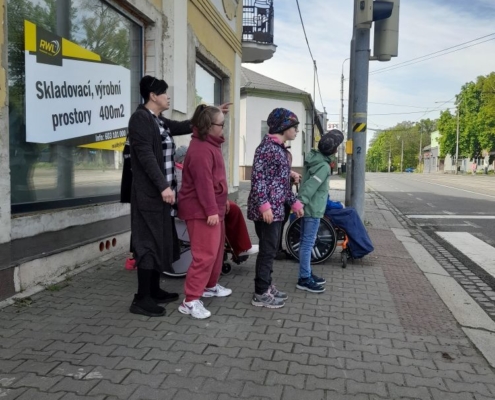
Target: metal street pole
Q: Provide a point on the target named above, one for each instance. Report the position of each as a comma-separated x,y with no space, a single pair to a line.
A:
420,148
457,142
341,150
402,156
341,122
389,157
457,134
349,164
358,121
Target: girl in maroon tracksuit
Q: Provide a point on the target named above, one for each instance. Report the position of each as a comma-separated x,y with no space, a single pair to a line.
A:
202,204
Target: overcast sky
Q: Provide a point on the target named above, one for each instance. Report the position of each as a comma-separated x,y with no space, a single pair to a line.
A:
426,26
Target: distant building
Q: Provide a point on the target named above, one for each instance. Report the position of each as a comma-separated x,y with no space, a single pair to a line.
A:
431,155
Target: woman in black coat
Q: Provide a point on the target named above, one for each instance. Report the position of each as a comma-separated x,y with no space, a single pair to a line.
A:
154,240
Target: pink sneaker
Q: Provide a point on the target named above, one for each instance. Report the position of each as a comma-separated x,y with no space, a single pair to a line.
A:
130,264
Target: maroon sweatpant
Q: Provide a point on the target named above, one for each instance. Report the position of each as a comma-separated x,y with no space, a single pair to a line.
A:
236,230
207,243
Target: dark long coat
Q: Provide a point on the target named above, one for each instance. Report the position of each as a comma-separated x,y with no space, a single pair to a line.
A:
152,227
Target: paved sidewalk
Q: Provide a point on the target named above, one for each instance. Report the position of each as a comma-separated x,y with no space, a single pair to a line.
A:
380,331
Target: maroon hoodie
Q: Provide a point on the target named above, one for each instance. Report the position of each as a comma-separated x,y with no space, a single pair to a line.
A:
204,183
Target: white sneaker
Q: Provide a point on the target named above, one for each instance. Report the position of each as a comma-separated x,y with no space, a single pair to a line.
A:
217,291
253,250
194,308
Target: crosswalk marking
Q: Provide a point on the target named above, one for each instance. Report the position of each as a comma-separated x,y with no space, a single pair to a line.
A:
477,250
443,216
464,224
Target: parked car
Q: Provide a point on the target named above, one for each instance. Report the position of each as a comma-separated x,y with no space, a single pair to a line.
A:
409,169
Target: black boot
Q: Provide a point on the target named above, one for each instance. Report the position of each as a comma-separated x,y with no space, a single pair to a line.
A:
146,306
143,303
157,294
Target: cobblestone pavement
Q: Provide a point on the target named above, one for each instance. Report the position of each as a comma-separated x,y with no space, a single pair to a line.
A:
380,331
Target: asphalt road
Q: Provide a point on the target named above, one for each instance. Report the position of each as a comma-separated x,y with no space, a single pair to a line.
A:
456,211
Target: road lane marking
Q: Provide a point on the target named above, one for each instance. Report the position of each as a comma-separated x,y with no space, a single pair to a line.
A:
448,212
417,198
453,187
431,205
477,250
450,216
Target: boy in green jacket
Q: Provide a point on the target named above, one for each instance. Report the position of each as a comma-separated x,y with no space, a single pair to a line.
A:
314,194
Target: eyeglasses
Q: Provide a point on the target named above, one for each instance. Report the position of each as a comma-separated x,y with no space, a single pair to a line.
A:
154,79
296,129
222,124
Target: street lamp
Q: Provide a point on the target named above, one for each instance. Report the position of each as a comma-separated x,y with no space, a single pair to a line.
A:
342,97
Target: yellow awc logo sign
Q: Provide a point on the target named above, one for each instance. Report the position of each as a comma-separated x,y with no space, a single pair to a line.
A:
51,48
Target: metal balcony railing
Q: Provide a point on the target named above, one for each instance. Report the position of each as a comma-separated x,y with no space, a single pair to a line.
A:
257,21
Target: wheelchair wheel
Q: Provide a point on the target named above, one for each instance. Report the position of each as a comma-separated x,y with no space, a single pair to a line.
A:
326,241
343,257
226,269
180,267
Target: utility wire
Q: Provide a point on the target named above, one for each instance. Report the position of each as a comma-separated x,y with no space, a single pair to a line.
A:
311,54
304,30
319,90
440,55
396,105
428,57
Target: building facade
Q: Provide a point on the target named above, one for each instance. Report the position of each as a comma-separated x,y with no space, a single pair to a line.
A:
69,80
431,155
259,96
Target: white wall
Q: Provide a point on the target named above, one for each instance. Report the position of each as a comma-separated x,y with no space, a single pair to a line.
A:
256,109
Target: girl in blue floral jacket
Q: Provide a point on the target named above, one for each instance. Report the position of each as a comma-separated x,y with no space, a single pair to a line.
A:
270,189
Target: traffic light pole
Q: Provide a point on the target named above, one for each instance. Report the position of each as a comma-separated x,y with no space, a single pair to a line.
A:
349,164
358,120
385,15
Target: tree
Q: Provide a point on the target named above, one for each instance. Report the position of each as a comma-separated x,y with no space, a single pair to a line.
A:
476,105
106,33
447,129
390,140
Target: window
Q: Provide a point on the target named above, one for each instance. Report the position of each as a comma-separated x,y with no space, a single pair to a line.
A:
53,171
208,87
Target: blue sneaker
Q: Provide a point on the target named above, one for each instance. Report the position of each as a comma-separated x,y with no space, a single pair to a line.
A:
318,280
309,285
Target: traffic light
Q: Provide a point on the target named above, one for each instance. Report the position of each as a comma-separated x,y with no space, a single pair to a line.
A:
385,15
386,39
368,11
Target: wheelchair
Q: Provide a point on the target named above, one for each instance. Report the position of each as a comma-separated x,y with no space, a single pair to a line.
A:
180,267
328,238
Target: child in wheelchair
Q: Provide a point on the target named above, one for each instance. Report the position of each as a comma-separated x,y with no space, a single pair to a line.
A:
313,194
